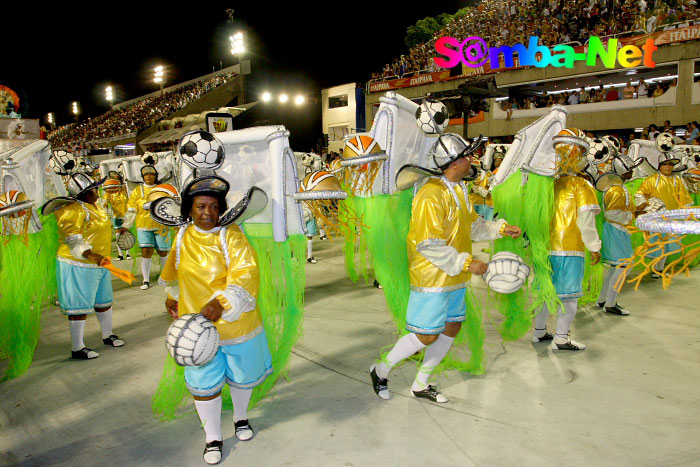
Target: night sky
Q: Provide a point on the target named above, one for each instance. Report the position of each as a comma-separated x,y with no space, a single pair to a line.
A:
55,53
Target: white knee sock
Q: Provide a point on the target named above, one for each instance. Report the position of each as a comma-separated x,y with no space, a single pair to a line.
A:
433,356
119,251
606,284
210,414
611,298
77,328
309,248
541,321
322,232
105,320
240,399
404,348
564,320
660,265
146,269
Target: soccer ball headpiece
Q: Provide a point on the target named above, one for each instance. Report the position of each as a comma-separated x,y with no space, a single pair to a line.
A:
200,149
432,116
571,149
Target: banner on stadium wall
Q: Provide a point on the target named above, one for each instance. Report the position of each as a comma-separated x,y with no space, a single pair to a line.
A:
19,128
660,38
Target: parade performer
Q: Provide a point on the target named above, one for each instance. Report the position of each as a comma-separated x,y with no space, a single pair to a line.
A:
85,237
619,218
670,189
439,244
150,234
213,271
116,198
310,221
572,231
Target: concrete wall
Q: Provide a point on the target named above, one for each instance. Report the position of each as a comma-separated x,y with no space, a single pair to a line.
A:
339,116
686,107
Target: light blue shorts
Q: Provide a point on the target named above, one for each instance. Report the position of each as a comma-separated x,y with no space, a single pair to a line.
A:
243,366
567,275
428,312
616,245
151,239
81,289
311,227
669,248
484,210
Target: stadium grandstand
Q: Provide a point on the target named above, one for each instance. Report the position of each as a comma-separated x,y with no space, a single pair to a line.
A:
631,102
136,119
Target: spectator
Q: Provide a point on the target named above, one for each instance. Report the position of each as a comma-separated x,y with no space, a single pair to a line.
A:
693,132
628,91
668,128
584,96
658,91
642,89
612,94
573,98
653,132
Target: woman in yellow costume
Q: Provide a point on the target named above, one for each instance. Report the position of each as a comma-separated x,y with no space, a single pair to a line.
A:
572,231
670,189
213,270
443,225
116,198
85,236
149,233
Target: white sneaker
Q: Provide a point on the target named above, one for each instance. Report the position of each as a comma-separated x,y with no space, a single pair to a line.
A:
212,452
144,286
560,343
244,432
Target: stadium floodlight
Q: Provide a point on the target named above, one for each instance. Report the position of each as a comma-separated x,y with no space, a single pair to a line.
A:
283,98
108,94
75,109
237,44
159,77
299,99
50,119
266,96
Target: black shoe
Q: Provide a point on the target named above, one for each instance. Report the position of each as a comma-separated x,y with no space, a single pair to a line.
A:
83,354
324,237
377,284
120,258
601,304
616,310
380,385
431,394
212,452
244,432
548,336
113,340
311,260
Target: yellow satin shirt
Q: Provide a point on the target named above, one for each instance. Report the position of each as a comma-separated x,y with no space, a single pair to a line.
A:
198,266
617,198
118,201
137,199
571,195
91,223
670,190
437,219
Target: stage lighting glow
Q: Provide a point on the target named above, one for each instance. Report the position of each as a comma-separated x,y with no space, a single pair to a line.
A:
284,98
299,100
266,97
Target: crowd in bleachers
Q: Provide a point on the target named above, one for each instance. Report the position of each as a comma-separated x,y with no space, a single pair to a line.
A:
507,22
134,117
589,95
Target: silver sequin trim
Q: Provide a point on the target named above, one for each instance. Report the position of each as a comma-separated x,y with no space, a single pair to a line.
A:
455,319
590,207
241,339
224,246
452,191
164,283
418,330
178,244
73,238
567,253
242,294
314,195
619,227
432,242
206,392
77,263
570,295
450,288
267,373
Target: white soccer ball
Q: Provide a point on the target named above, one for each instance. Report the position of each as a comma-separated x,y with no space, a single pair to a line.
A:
432,117
665,142
201,150
62,162
149,158
506,273
307,160
599,150
614,142
192,340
